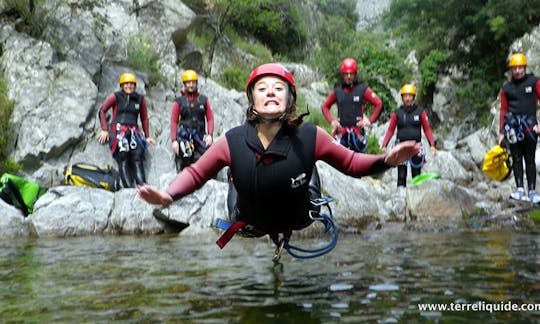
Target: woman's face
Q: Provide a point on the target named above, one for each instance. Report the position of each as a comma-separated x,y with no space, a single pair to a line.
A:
270,95
128,87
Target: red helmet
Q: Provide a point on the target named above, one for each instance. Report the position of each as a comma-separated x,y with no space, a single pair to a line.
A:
274,69
349,65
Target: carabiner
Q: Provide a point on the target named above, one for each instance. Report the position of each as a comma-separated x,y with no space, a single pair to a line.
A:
133,142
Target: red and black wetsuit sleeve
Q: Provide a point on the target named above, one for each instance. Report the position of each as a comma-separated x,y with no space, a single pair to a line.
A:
427,128
108,103
197,174
209,118
175,114
218,156
391,129
372,98
345,160
327,105
143,114
504,110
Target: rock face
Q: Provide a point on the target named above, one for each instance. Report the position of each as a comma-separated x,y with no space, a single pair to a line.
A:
58,83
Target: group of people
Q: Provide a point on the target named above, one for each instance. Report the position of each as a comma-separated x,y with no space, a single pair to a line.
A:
192,122
271,157
348,128
191,127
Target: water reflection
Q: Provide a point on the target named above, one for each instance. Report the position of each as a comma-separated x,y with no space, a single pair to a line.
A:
371,277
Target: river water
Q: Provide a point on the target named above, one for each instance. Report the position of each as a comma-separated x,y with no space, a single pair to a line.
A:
372,277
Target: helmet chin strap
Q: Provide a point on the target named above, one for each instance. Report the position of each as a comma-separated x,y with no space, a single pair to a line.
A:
269,120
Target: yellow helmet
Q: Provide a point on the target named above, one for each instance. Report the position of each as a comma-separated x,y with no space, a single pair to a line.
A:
408,89
189,75
127,77
517,59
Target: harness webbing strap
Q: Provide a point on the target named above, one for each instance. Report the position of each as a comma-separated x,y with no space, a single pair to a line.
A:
229,233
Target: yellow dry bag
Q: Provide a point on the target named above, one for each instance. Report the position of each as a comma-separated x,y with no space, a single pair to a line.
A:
497,164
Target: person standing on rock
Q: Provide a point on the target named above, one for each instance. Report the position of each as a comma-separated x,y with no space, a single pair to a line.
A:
126,140
192,122
271,159
409,119
351,98
518,123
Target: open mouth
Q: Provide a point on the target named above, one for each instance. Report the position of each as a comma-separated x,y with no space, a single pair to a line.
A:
271,102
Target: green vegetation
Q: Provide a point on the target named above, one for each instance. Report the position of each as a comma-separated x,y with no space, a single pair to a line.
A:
315,114
535,215
141,56
373,145
31,13
471,35
6,108
275,23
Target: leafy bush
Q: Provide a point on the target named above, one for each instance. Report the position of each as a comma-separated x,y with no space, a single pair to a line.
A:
345,9
32,15
276,23
234,77
373,145
260,51
429,70
142,57
472,35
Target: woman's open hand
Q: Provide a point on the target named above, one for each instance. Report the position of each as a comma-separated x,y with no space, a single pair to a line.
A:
154,196
402,152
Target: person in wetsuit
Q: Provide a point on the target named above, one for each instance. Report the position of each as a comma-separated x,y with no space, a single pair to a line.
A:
409,119
126,140
351,98
192,122
518,123
271,159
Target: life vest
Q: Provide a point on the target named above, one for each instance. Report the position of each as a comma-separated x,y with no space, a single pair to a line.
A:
193,113
409,125
352,138
282,172
350,104
497,164
521,95
127,108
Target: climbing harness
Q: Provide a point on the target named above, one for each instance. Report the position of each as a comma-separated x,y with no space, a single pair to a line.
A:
187,139
283,243
301,253
128,138
352,141
517,127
